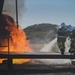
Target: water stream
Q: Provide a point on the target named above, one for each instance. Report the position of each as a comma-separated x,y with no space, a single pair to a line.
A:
48,48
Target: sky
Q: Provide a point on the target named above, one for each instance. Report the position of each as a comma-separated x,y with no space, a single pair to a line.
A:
48,11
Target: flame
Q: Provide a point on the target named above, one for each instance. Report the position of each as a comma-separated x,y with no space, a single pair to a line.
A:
17,40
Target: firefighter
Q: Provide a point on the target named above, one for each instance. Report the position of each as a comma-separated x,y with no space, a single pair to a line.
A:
61,37
72,46
69,31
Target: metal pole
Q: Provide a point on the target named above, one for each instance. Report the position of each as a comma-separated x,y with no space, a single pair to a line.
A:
10,63
8,47
1,6
16,13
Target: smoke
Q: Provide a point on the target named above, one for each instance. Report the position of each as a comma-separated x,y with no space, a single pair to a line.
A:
10,8
48,48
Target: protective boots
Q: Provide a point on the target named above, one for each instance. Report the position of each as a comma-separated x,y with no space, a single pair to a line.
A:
62,51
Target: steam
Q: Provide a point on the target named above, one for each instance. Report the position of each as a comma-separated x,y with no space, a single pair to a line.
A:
10,8
48,48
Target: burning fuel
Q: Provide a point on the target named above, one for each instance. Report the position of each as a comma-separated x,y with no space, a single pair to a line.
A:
17,40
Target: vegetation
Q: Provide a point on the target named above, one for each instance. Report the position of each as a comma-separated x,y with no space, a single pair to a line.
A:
40,33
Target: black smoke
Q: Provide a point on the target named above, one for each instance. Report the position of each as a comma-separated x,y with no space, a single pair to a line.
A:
10,8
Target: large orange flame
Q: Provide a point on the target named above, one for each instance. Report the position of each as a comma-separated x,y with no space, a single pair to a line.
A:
17,41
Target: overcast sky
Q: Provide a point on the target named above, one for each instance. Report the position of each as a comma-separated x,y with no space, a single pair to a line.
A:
48,11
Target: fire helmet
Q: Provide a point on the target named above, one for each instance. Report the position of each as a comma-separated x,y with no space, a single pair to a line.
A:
63,24
70,28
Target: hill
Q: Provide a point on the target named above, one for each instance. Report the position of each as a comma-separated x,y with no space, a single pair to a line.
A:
41,33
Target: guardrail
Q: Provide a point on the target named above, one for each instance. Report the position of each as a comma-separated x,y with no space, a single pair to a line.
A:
38,56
